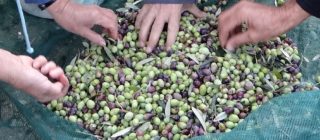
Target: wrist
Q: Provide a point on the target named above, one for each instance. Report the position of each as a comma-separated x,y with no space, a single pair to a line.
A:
8,74
58,6
291,14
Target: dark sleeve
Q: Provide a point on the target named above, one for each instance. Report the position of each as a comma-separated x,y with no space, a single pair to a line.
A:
37,1
169,1
311,6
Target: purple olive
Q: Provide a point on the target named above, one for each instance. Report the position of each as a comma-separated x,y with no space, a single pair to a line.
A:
228,110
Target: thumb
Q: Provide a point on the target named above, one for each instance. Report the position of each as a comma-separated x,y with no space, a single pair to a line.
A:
193,9
92,36
65,82
238,39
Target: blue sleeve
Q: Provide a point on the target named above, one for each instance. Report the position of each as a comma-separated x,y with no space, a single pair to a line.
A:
37,1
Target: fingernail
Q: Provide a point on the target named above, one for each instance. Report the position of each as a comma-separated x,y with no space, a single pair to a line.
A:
148,50
229,49
102,43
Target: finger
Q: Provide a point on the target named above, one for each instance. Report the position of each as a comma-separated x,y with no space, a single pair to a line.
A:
145,29
26,59
196,11
92,36
110,23
64,80
142,13
109,13
239,39
56,72
39,62
226,26
173,29
155,33
111,26
47,67
56,90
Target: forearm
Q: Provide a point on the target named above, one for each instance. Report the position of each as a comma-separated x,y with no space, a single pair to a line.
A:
10,66
290,15
58,6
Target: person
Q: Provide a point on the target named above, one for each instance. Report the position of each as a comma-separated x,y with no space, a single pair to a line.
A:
154,14
39,77
264,22
79,19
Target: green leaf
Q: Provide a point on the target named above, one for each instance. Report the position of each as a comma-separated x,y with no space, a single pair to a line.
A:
144,127
132,6
277,73
269,84
315,58
85,44
221,116
109,54
213,104
191,56
218,12
122,10
206,62
121,132
166,61
168,108
199,115
73,61
145,61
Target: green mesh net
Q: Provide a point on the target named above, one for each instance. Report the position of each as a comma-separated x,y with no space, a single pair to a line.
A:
292,116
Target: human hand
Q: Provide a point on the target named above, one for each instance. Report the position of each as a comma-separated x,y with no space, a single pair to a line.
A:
264,22
152,18
34,77
79,19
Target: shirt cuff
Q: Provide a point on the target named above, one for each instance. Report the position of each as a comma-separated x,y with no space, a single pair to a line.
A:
310,6
170,1
37,1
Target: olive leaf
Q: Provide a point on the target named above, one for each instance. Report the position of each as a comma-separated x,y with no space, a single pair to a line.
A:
213,104
73,61
122,10
269,84
305,59
205,63
85,44
109,54
132,6
277,73
167,61
121,132
87,77
136,2
199,115
107,123
156,138
218,12
145,61
221,116
285,53
191,56
144,127
315,58
190,89
168,108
